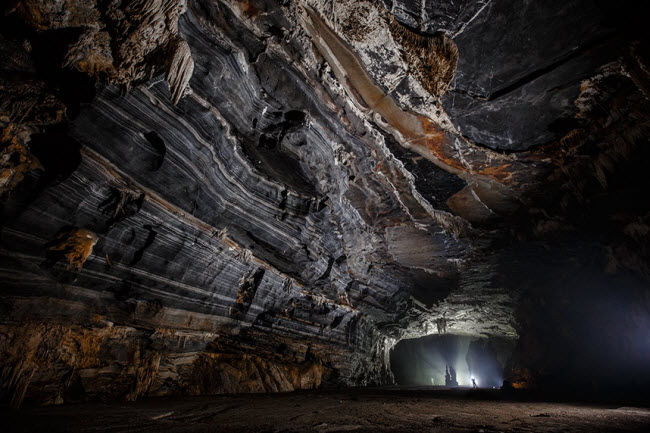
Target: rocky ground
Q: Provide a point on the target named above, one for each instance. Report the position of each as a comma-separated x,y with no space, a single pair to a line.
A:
371,410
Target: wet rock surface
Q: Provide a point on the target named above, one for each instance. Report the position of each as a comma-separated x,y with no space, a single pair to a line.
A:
220,196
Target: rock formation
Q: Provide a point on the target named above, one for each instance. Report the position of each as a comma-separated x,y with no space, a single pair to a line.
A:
220,196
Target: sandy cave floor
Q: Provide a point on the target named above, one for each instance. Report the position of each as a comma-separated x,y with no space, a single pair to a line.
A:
361,410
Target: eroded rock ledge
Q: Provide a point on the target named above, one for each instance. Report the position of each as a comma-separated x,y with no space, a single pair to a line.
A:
226,196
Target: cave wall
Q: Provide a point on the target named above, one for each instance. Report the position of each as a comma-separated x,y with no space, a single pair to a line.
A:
252,196
159,240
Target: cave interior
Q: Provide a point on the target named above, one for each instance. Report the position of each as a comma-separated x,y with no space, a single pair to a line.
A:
234,213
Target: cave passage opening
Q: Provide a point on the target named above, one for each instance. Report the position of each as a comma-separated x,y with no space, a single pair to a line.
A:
451,360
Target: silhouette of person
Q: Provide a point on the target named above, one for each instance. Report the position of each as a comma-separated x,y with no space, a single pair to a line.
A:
474,383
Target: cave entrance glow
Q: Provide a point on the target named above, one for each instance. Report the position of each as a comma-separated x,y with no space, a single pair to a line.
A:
430,360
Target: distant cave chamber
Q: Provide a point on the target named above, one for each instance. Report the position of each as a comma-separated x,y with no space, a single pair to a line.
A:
426,360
